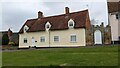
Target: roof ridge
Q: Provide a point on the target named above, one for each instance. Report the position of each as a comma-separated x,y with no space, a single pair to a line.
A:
65,14
32,19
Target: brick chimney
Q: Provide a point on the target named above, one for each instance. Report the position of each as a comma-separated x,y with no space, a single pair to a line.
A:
40,14
66,10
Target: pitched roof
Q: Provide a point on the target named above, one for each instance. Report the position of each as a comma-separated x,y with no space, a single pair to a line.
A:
113,6
58,22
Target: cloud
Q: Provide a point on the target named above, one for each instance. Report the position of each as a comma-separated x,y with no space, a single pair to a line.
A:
98,11
16,13
53,0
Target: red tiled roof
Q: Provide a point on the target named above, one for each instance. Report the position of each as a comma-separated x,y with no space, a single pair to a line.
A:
58,22
113,6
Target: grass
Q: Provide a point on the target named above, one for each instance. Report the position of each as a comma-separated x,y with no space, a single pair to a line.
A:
83,56
0,58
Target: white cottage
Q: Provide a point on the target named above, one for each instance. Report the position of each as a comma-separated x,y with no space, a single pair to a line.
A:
65,30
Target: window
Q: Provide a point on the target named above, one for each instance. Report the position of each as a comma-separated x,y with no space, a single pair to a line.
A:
25,40
73,38
117,16
42,39
70,23
56,38
47,26
26,28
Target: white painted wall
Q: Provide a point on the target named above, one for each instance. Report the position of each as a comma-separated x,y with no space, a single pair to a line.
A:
114,27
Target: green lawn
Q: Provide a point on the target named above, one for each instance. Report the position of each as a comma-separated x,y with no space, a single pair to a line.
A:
0,58
83,56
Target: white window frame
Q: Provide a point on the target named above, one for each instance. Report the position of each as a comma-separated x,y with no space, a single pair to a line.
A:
46,25
25,39
42,38
58,39
71,22
73,40
25,28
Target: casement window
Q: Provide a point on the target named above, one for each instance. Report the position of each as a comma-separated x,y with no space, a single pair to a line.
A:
25,40
117,16
73,38
71,23
56,38
42,39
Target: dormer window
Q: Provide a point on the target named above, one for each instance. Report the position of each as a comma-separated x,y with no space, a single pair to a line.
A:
71,23
47,26
26,28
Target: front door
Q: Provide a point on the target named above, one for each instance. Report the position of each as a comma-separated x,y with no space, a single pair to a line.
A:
33,42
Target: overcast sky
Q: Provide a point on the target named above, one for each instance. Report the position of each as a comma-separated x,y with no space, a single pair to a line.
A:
14,13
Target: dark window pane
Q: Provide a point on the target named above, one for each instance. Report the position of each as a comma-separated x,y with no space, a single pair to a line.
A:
42,39
56,38
25,40
73,38
117,16
71,24
47,26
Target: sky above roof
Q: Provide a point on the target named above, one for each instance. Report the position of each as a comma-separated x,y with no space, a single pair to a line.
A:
14,13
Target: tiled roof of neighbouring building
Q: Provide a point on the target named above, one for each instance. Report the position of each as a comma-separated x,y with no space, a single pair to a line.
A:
113,6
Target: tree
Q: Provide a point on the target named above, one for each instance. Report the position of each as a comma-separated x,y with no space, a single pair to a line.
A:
5,39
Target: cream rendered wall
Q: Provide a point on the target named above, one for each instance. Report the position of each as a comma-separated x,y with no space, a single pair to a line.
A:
114,27
36,36
64,36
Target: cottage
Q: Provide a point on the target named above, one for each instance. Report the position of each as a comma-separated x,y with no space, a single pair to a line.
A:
65,30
